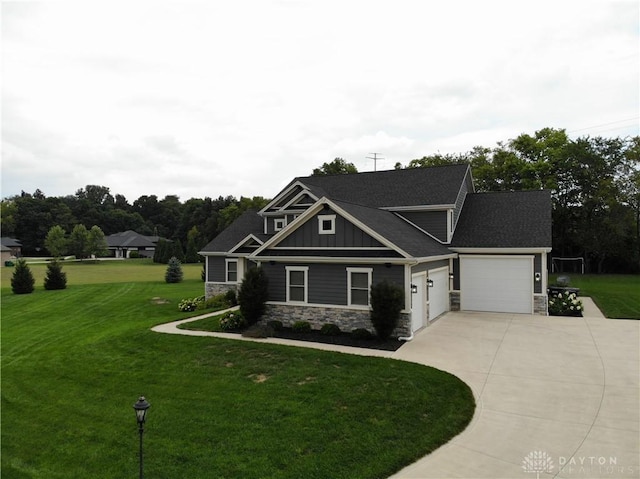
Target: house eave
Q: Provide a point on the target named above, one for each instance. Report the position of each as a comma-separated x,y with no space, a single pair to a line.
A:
419,207
326,259
494,250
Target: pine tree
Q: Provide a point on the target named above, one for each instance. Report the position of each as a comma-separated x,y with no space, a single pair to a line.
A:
55,278
174,271
22,281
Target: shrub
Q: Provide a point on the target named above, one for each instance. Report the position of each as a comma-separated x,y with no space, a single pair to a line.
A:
174,271
330,330
565,304
253,295
258,331
215,302
275,325
361,333
22,281
232,321
301,327
55,278
192,304
231,297
387,300
134,255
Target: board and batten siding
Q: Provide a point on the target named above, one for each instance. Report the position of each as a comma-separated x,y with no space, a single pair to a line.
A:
433,222
216,269
327,282
346,235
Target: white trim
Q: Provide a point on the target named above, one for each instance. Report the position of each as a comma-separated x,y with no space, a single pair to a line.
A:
335,248
244,241
418,207
305,270
283,222
322,219
282,195
504,251
369,272
297,197
332,259
227,261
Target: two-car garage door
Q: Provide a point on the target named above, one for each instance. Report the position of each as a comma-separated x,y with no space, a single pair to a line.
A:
496,283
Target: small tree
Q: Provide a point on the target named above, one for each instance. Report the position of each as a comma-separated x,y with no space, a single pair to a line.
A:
174,271
56,241
96,242
79,241
387,300
22,281
55,278
253,295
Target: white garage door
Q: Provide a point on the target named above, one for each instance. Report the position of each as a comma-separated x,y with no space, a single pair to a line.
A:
439,292
499,284
418,301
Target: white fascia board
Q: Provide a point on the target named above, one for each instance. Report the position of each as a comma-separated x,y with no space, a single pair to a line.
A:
501,250
333,259
297,197
244,240
213,253
429,259
281,195
419,208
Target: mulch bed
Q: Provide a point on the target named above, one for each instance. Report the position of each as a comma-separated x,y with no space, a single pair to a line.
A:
344,339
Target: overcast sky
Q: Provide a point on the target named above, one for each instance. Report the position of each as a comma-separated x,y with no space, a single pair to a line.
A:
238,97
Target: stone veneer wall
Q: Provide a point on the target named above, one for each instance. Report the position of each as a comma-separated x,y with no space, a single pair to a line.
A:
540,305
346,319
214,289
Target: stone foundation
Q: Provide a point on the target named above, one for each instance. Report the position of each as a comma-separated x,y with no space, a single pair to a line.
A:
454,301
540,304
214,289
346,319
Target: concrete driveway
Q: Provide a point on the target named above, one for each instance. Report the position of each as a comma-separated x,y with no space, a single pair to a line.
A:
556,396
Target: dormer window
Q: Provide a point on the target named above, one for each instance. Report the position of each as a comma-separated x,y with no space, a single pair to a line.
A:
279,224
327,224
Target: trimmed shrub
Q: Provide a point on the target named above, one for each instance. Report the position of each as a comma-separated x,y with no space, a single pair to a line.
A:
361,333
275,325
330,330
253,295
55,278
22,281
231,297
174,271
301,327
232,321
387,300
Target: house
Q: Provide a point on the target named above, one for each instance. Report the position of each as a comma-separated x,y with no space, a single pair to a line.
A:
12,245
122,244
323,241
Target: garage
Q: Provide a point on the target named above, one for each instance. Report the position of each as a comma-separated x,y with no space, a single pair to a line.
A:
438,292
496,284
418,301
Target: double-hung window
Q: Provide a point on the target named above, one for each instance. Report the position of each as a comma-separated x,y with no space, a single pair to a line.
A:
232,271
358,286
297,284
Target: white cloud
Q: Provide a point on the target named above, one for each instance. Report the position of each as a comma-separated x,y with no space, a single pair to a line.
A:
209,98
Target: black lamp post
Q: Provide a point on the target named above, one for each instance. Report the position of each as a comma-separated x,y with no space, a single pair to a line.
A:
141,413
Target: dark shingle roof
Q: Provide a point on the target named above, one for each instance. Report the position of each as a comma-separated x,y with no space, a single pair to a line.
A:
438,185
248,223
10,242
396,230
509,219
129,239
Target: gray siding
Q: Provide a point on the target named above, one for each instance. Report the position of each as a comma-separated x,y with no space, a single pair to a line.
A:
433,222
537,268
347,235
216,269
467,187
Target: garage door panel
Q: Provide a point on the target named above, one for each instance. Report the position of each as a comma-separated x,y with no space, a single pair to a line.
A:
438,293
496,284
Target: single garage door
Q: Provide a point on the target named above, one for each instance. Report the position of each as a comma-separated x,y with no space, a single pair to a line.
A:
439,292
498,284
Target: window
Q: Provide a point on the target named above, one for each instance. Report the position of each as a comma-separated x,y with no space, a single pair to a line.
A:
279,223
358,284
232,271
297,281
327,224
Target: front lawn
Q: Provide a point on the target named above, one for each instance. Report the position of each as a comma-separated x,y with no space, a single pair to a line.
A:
75,361
617,296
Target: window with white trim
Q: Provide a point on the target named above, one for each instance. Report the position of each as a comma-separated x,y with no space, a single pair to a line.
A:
327,224
232,271
279,223
358,286
297,284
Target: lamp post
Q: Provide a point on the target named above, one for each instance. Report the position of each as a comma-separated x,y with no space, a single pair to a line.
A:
141,412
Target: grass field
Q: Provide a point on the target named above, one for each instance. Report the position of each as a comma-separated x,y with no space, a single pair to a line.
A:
75,361
617,296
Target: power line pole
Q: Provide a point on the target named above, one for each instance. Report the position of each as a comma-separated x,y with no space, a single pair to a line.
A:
375,159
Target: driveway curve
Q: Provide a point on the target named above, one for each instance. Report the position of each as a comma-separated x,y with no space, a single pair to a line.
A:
556,397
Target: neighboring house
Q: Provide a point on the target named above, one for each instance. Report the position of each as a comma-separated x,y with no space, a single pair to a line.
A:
122,244
5,254
13,245
325,240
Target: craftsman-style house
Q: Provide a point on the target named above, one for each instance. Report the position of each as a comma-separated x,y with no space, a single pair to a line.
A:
324,240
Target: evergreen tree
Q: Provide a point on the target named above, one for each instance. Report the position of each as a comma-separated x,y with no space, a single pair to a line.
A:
160,251
55,278
174,271
387,300
192,255
253,295
22,281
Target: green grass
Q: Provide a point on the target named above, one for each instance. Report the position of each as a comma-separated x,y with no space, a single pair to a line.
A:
75,361
617,296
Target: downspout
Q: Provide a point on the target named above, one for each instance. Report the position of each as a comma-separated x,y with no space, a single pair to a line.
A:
406,338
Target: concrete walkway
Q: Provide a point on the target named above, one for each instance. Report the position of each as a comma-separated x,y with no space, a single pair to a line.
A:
556,397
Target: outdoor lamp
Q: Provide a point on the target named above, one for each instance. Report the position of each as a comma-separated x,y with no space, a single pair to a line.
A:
430,283
141,414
